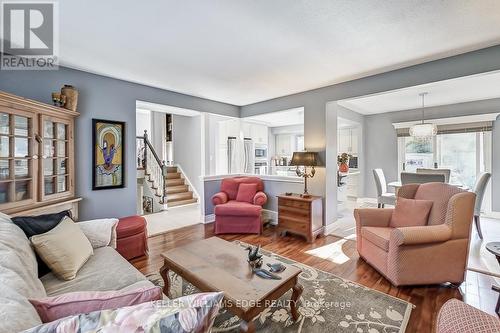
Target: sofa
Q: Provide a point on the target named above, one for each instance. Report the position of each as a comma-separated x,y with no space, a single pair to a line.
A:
234,216
456,316
415,255
106,270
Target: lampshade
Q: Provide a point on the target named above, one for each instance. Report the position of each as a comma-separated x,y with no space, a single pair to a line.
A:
424,130
304,158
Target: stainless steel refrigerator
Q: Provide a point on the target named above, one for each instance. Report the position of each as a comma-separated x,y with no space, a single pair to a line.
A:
240,155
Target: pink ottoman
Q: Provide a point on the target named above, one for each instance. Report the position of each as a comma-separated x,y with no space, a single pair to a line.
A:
131,237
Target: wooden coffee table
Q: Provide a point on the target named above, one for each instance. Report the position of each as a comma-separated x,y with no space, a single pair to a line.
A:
214,264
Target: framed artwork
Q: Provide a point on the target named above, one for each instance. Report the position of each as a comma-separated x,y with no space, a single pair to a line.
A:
108,158
147,204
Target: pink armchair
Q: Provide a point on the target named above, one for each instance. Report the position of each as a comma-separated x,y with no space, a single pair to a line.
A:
232,216
413,255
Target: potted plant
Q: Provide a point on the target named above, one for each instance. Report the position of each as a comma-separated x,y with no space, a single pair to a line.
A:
343,162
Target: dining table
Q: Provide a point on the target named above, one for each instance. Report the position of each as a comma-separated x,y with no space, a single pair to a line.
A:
397,185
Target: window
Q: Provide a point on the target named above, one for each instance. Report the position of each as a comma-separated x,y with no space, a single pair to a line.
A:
466,154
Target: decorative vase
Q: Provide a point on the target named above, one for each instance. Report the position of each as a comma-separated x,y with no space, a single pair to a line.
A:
344,167
71,96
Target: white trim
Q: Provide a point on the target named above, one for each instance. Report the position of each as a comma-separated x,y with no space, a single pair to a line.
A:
492,214
263,177
451,120
270,215
192,188
143,105
209,218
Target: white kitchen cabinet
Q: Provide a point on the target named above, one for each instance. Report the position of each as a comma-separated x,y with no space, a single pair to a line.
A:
246,129
259,133
285,144
348,140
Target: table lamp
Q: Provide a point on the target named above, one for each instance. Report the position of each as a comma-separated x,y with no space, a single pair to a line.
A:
305,159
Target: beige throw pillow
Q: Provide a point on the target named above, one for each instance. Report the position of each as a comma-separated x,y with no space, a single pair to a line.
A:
65,249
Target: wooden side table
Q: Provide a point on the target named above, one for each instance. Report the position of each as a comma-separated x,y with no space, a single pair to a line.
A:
301,216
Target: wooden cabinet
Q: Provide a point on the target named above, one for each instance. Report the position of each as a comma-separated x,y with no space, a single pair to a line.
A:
36,155
301,216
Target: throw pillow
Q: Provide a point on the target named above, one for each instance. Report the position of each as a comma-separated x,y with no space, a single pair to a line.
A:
65,249
192,313
246,192
56,307
410,213
100,232
34,225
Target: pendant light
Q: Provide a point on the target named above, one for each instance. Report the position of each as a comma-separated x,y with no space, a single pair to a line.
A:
423,130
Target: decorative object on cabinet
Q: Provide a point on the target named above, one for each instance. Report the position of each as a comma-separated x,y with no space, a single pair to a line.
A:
299,215
36,157
108,139
71,97
343,162
58,99
305,159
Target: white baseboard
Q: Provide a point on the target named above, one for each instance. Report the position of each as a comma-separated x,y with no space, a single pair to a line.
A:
493,215
329,228
209,218
270,216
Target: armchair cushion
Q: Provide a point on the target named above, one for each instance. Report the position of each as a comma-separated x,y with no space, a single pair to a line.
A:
260,199
219,198
410,212
420,235
246,192
379,236
238,208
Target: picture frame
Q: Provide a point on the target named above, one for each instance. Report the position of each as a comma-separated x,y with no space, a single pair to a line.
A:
108,154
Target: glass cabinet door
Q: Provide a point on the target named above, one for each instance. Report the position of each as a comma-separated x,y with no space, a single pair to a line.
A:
55,151
17,162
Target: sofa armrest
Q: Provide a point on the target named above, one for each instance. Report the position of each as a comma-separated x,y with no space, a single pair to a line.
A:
373,217
420,235
219,198
260,198
100,232
456,316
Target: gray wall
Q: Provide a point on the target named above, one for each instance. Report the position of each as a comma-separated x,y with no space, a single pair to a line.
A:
315,102
381,148
271,187
187,147
106,98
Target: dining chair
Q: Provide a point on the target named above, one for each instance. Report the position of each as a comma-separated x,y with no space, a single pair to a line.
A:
383,197
445,172
479,189
421,178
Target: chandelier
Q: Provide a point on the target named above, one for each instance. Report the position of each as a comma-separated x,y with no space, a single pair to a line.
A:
423,130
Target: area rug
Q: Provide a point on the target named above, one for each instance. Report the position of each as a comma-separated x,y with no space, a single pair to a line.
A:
328,304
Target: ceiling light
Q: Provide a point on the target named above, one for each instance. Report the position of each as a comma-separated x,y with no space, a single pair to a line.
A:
423,130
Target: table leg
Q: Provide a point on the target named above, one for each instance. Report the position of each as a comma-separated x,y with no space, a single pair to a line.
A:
166,280
247,327
497,308
297,291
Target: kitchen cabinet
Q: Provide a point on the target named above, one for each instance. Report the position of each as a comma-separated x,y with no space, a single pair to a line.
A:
348,140
259,133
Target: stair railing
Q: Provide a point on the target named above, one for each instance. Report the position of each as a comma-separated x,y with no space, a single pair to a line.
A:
154,168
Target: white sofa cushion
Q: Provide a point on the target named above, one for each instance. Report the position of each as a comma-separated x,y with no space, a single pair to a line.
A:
105,270
18,279
100,232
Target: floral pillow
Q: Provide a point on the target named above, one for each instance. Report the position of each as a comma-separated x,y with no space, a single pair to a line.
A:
192,313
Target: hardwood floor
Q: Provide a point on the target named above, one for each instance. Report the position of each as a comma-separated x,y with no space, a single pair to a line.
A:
340,258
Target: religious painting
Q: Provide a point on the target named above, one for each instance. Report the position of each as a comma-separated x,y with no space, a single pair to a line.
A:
109,154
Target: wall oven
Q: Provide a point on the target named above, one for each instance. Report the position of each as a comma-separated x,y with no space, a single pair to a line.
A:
260,167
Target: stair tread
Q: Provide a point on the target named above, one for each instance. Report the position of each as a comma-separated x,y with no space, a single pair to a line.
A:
180,196
182,202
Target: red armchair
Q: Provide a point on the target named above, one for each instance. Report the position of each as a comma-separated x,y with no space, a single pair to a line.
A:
232,216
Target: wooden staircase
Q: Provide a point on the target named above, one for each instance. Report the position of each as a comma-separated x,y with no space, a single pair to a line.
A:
178,192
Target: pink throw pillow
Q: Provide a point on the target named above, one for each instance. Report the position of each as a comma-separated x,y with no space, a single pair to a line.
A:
410,213
56,307
246,192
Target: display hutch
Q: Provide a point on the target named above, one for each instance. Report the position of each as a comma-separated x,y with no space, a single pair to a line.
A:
37,157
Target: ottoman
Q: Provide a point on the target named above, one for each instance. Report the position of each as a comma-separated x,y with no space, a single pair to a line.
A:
131,237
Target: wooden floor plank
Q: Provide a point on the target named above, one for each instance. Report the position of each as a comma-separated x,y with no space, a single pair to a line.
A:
427,299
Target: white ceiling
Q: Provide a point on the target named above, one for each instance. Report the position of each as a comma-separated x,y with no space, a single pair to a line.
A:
241,52
460,90
280,118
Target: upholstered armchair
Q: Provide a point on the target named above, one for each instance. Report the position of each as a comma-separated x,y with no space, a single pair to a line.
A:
237,212
414,255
